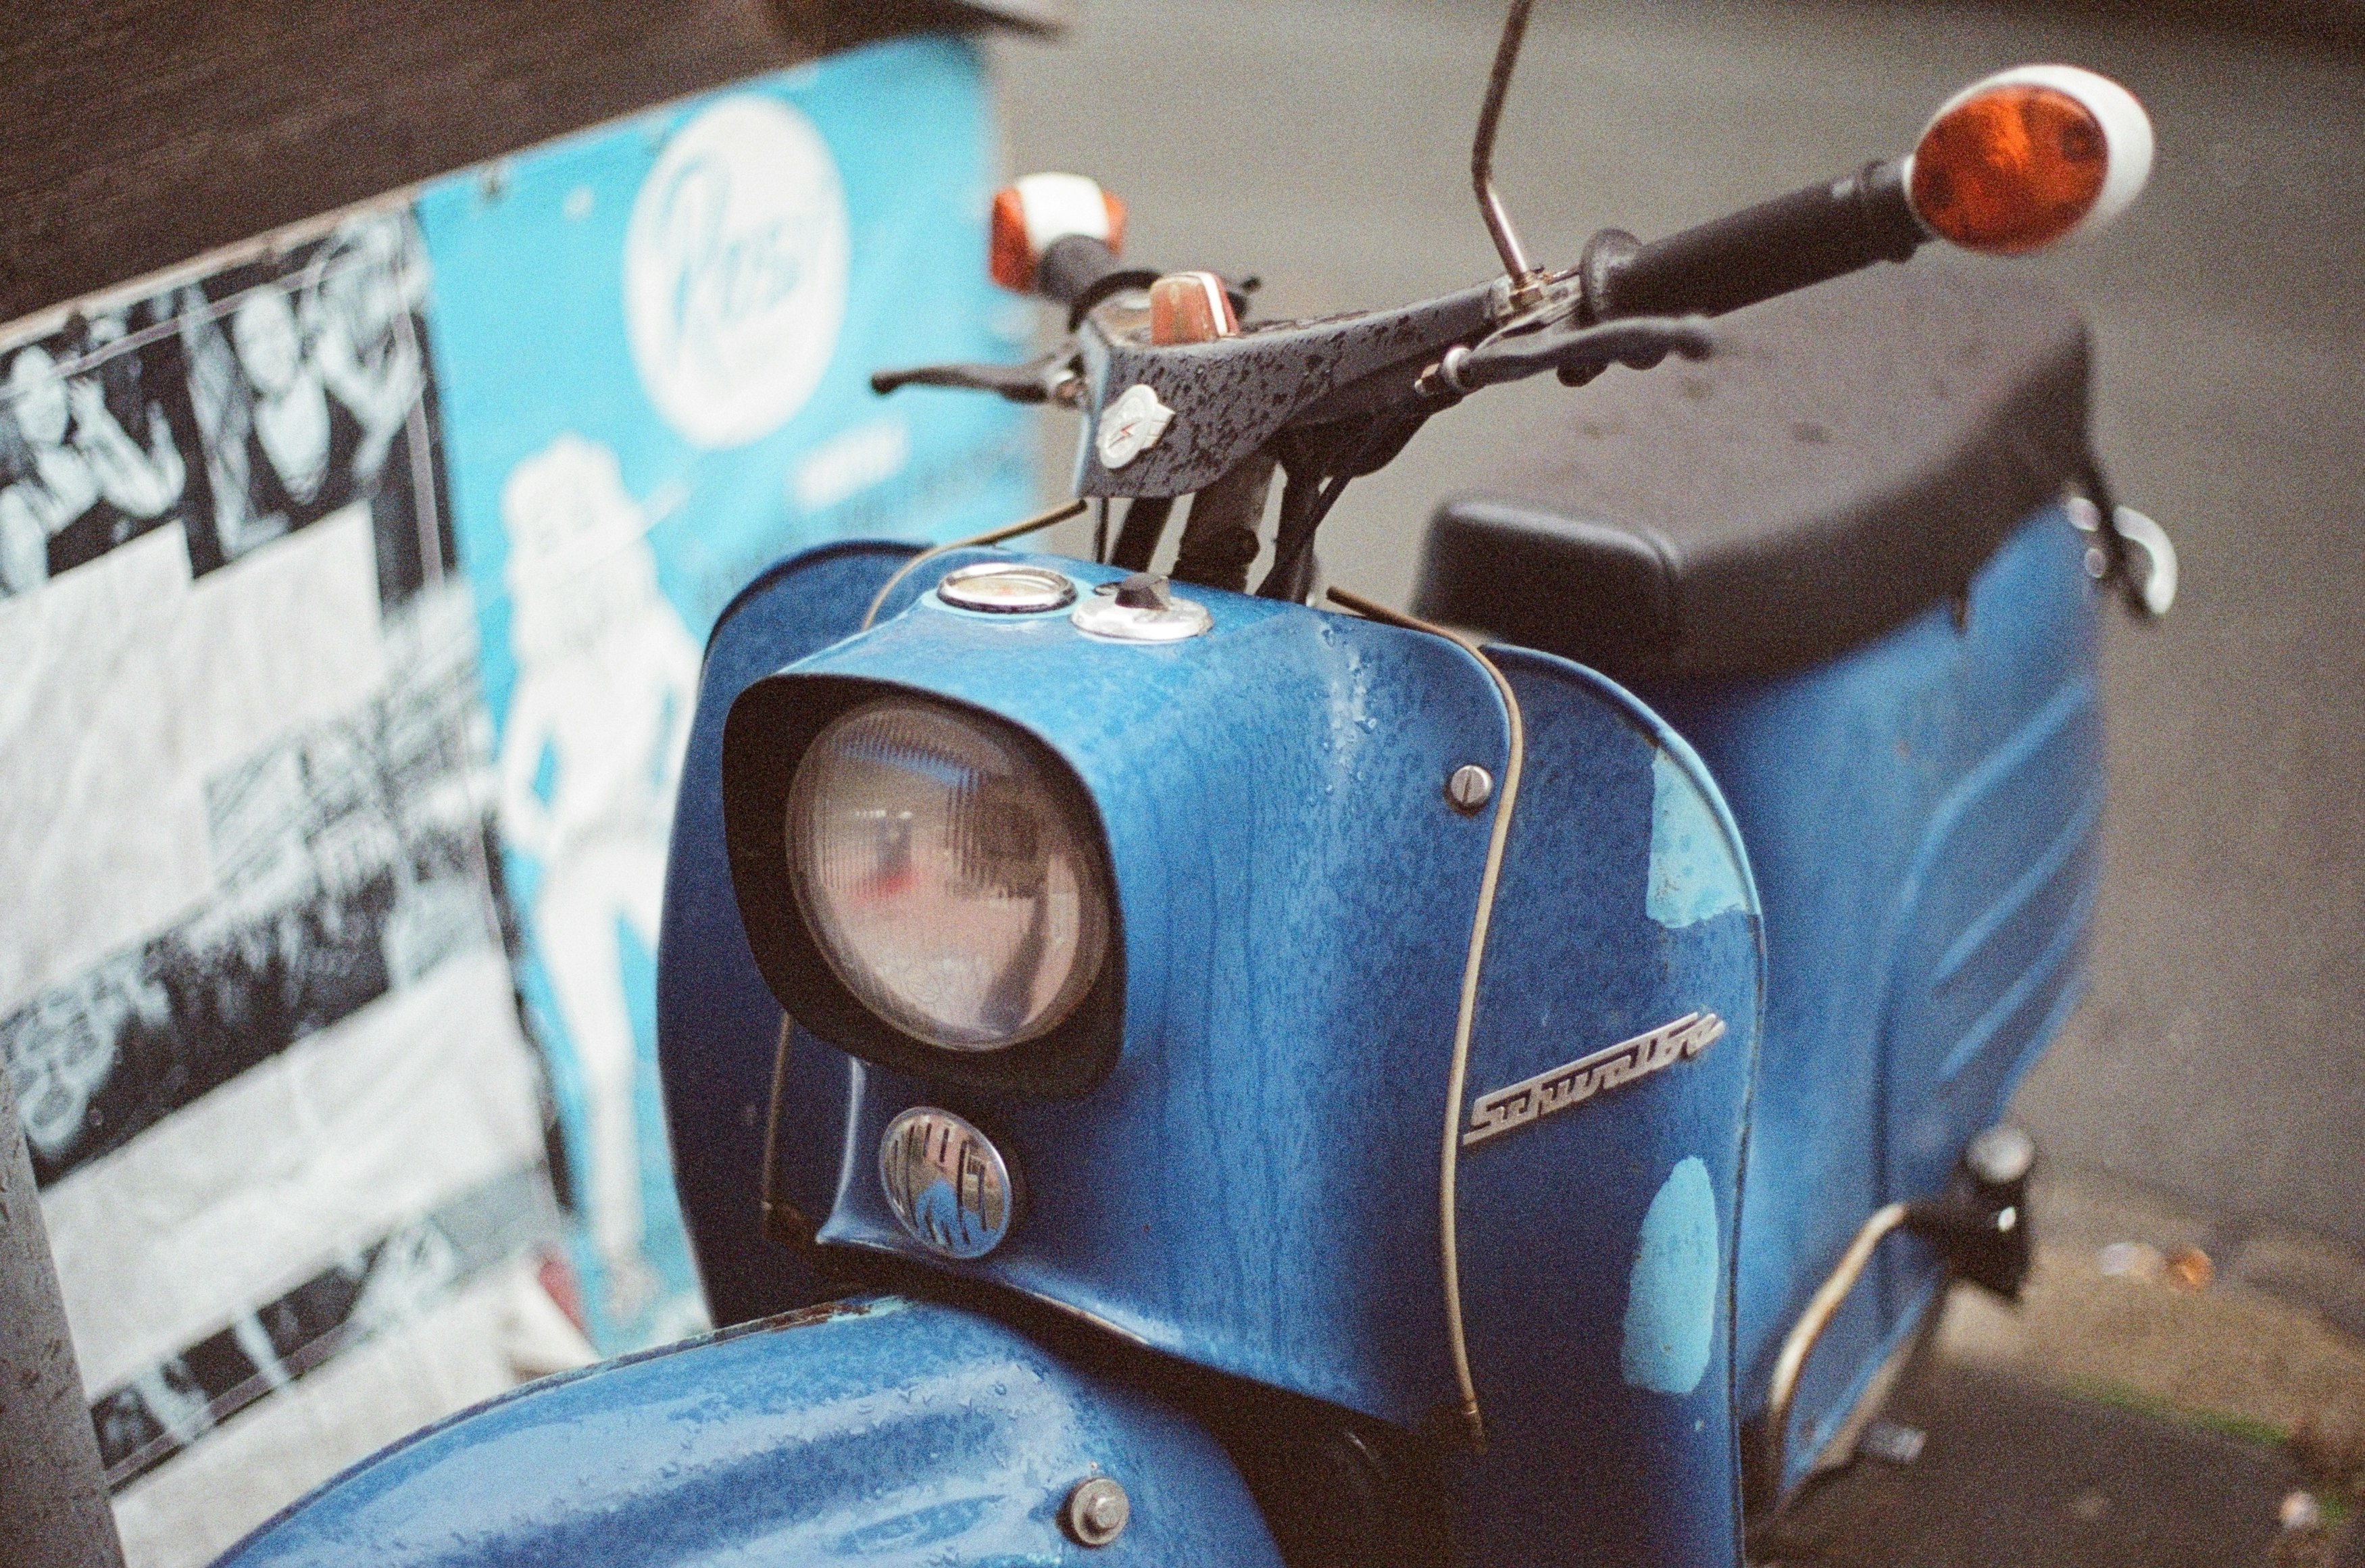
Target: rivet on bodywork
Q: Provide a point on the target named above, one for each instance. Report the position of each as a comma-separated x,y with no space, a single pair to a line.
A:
1470,788
1096,1511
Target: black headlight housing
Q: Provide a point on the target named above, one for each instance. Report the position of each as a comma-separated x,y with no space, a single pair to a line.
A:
771,730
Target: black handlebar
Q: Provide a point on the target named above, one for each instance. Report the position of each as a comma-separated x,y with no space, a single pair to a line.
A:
1807,237
1079,271
1069,266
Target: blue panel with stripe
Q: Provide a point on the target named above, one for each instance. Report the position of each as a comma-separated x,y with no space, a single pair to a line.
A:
1598,1243
1921,815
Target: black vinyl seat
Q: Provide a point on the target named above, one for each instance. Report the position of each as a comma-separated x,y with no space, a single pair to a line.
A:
1849,457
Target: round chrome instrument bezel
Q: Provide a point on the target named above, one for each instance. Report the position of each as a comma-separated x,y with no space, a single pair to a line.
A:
1007,587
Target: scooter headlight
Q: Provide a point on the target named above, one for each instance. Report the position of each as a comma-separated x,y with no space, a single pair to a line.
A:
945,876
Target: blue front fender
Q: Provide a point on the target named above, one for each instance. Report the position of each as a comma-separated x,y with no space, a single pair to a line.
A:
880,1431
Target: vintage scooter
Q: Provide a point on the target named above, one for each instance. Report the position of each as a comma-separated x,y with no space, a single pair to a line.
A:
1166,1074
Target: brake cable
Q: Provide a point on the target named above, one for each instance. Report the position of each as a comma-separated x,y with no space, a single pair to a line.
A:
1465,1016
1532,347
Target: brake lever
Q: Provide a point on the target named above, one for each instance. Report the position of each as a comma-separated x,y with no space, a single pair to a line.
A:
1577,353
1050,379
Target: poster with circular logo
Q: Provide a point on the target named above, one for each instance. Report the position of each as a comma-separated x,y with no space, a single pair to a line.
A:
735,271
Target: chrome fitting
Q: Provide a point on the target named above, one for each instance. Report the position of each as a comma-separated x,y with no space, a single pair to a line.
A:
1096,1512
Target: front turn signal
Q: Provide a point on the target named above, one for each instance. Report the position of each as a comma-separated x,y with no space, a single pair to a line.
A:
1039,211
2028,158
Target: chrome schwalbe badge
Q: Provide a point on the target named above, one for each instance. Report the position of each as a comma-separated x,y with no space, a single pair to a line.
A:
1531,1099
946,1185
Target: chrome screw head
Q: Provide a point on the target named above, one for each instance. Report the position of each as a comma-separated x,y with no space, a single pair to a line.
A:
1470,788
1097,1511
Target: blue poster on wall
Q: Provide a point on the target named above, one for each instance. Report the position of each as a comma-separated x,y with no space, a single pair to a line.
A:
653,343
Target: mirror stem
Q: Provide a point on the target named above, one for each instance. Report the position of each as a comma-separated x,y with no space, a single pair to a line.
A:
1524,287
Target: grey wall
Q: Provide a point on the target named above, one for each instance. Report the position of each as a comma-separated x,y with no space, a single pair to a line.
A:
1324,145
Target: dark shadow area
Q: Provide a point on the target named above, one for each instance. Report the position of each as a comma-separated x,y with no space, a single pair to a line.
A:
2335,25
2014,1475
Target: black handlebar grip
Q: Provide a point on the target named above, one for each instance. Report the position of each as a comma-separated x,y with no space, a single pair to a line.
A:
1823,231
1079,272
1071,266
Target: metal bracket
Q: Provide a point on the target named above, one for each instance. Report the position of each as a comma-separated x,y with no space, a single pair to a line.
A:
1980,1228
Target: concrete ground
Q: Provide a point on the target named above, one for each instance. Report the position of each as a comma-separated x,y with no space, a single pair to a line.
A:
1323,144
2171,1391
2015,1474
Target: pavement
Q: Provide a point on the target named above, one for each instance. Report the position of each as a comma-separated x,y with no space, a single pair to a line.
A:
2019,1476
2169,1391
1322,145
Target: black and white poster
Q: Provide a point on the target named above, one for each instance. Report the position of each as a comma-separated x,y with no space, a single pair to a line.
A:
242,406
95,438
256,1003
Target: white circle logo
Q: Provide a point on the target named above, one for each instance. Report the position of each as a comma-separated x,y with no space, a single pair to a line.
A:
1131,426
734,271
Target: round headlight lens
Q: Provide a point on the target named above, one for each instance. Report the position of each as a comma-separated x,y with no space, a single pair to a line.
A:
944,877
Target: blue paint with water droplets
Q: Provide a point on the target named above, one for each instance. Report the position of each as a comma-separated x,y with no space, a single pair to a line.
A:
1252,1189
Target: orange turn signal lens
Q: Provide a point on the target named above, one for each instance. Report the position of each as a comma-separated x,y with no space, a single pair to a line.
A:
1039,211
2011,169
1190,308
1010,258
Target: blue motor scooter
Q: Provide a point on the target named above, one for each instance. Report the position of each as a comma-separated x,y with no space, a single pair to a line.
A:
1160,1073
